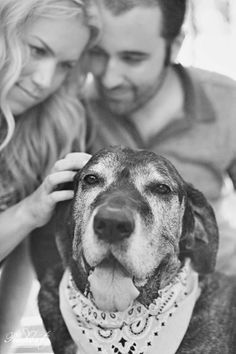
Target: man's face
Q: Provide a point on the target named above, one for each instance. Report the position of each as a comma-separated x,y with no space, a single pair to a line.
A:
129,59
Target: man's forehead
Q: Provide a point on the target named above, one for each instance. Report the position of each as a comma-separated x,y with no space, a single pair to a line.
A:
134,25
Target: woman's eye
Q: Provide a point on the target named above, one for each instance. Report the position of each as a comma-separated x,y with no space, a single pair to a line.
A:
68,65
91,179
37,51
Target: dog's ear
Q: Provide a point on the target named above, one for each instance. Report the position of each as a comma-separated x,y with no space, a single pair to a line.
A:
65,227
199,239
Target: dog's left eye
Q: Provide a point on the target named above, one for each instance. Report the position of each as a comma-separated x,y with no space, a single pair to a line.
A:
160,188
91,179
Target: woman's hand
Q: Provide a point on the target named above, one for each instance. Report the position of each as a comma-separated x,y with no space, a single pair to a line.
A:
41,203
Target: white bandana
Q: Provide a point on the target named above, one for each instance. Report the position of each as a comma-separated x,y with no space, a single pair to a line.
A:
159,328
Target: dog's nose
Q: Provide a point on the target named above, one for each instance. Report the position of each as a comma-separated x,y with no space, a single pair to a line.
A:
113,224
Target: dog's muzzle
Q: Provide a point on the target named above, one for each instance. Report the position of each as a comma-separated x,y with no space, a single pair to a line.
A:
110,283
113,223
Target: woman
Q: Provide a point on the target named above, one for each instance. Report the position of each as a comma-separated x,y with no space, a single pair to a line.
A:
41,120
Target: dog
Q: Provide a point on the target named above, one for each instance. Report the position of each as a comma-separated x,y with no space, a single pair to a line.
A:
138,247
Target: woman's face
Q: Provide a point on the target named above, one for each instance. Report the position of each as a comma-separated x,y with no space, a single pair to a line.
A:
55,46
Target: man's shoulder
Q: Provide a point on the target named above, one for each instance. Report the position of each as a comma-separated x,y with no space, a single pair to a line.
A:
212,80
213,98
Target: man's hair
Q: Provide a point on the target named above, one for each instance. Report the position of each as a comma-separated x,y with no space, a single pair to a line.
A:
173,12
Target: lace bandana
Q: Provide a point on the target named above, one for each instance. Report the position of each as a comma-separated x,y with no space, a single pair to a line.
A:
159,328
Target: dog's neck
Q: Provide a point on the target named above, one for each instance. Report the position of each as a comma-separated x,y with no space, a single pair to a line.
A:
87,324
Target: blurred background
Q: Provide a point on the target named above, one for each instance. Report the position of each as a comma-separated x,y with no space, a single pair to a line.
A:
208,42
209,36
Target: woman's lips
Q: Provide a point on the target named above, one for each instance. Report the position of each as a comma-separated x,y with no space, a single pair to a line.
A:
30,94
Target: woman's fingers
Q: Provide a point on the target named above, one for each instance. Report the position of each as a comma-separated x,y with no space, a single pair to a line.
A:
47,195
59,196
72,161
78,156
52,180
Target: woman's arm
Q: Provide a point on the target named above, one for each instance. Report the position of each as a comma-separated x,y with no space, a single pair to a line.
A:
36,209
16,279
15,224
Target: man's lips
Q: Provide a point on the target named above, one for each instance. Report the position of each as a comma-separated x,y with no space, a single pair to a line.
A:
116,95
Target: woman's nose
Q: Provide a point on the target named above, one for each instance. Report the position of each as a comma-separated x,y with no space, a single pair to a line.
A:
44,73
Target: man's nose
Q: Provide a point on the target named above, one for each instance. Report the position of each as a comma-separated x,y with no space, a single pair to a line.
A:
44,73
112,74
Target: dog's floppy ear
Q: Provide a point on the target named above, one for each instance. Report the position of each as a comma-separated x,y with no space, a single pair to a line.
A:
65,227
199,239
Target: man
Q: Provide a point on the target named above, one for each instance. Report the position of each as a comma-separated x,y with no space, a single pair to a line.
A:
139,98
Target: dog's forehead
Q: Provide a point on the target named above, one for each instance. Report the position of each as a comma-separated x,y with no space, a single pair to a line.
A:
106,164
129,163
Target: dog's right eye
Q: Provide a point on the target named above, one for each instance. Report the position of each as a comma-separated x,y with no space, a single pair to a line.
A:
91,179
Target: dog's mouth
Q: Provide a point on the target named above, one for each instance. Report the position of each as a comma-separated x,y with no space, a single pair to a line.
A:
111,287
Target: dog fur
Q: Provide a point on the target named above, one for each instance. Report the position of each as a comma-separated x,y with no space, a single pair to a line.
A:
163,221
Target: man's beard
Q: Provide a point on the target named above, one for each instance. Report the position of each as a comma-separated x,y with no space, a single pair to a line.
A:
138,99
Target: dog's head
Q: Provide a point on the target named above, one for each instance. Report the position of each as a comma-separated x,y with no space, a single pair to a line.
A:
132,222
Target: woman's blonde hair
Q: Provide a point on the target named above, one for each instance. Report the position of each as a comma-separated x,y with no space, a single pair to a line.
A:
31,143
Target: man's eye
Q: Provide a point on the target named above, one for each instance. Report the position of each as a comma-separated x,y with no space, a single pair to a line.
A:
133,59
